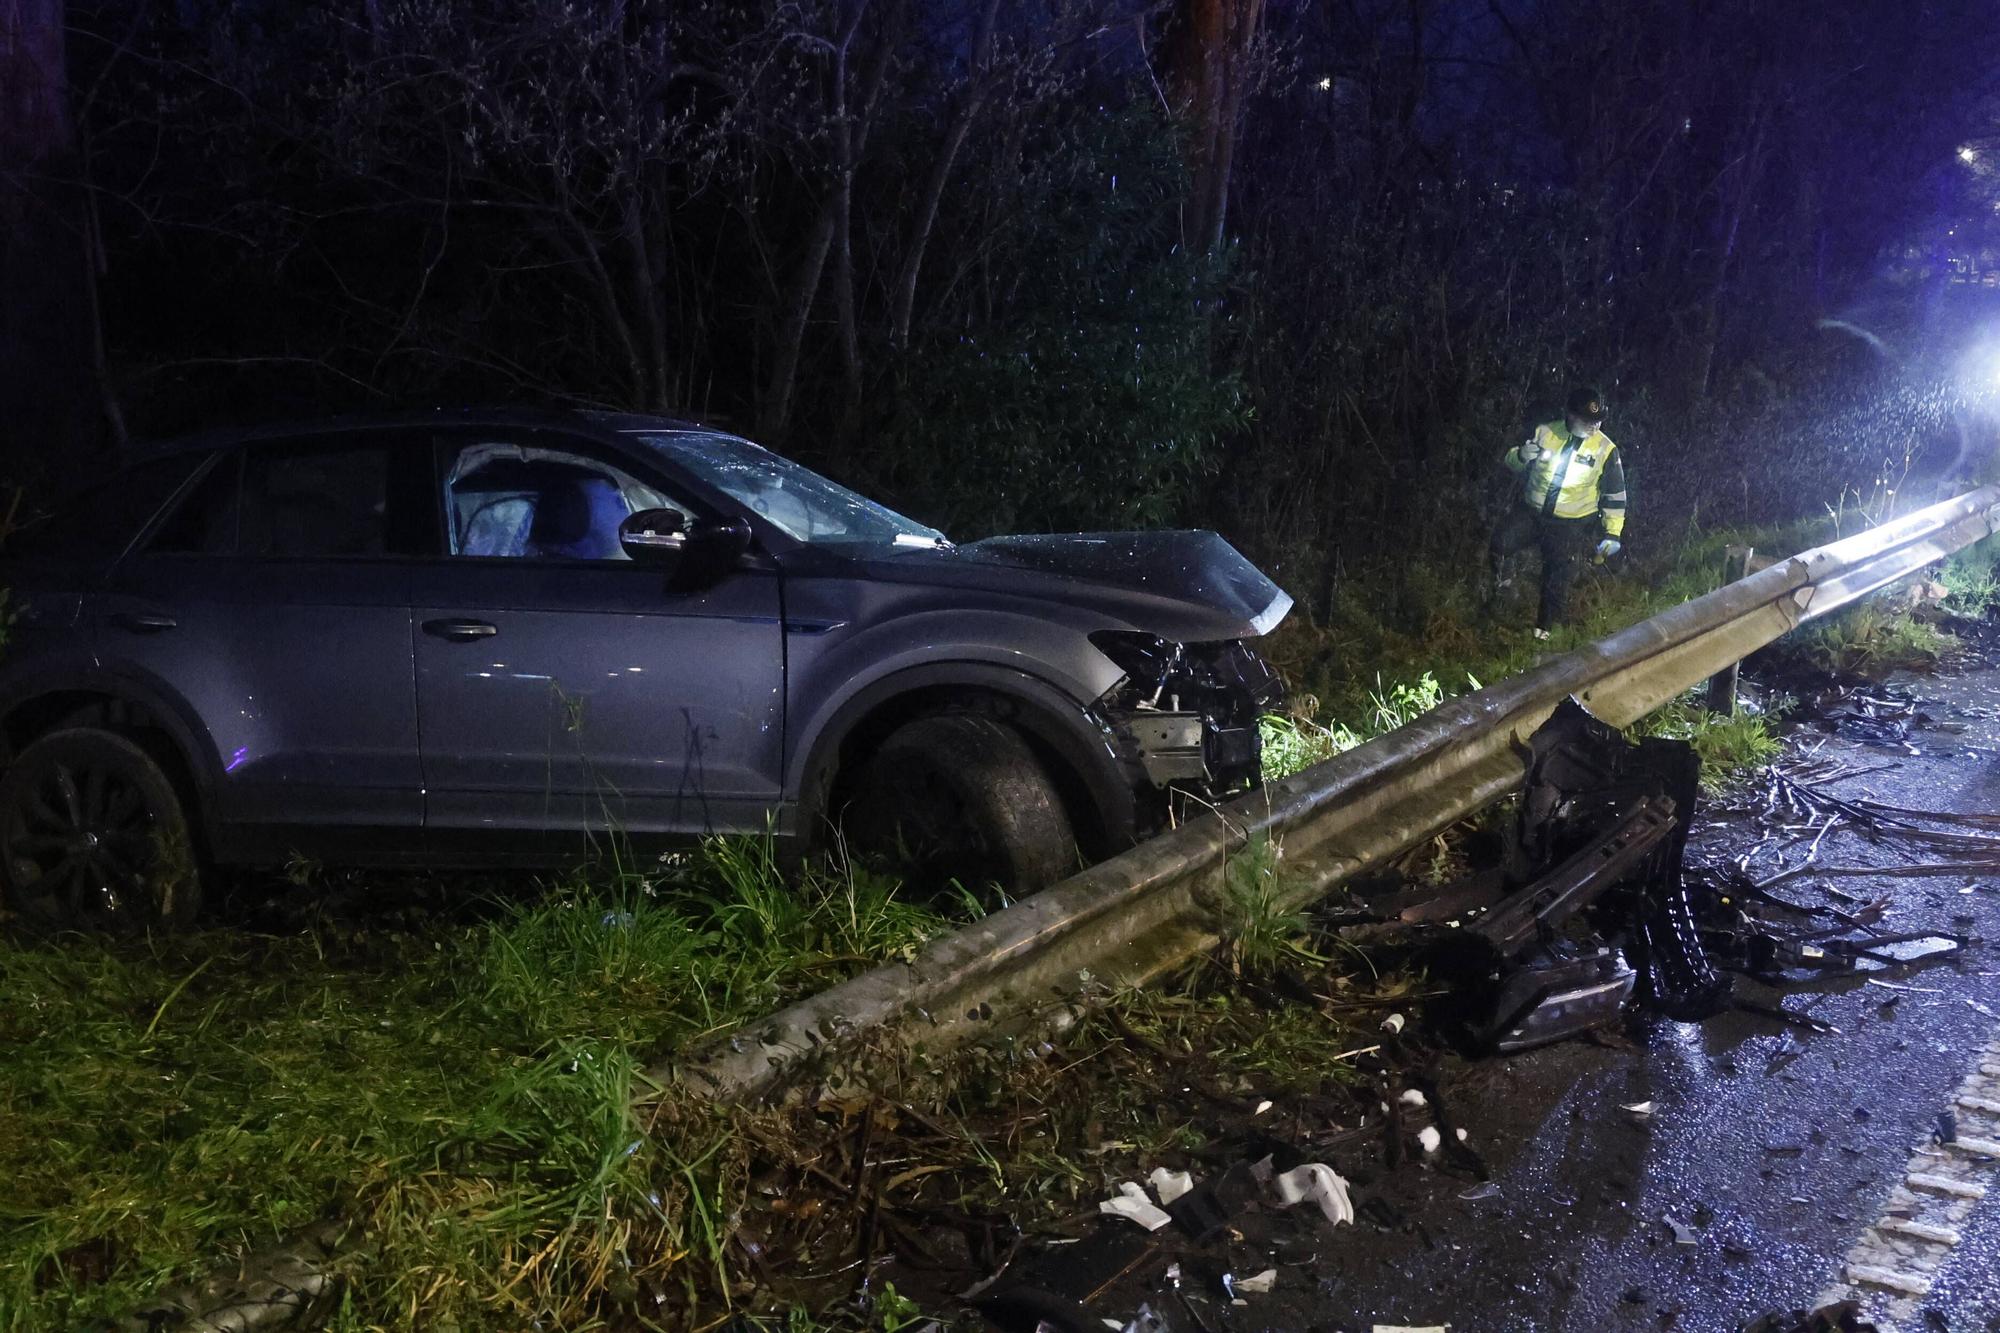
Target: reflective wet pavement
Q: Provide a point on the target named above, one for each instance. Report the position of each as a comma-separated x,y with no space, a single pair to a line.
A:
1775,1147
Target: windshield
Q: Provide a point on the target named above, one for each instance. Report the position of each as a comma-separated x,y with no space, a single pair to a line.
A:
796,500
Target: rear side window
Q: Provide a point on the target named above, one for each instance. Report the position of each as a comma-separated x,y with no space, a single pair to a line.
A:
99,522
204,523
323,499
315,501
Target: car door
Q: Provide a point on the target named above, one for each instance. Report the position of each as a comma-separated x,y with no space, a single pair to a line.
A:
564,688
274,601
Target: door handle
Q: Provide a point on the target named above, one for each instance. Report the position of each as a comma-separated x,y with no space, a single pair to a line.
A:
461,631
142,622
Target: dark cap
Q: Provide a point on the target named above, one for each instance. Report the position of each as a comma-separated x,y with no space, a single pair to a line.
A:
1586,403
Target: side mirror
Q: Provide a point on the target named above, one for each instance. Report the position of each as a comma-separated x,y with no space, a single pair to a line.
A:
651,536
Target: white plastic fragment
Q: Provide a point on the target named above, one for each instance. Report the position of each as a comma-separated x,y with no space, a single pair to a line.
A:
1320,1184
1258,1284
1169,1185
1683,1233
1412,1328
1430,1138
1460,1131
1393,1024
1412,1097
1261,1108
1638,1108
1132,1204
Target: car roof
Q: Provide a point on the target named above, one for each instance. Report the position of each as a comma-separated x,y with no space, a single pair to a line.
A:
573,420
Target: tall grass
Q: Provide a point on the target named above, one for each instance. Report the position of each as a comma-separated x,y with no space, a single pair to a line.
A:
472,1098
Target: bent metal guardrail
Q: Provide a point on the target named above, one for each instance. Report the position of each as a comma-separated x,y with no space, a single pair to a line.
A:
1129,919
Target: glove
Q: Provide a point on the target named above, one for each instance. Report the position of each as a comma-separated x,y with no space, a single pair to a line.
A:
1530,452
1610,546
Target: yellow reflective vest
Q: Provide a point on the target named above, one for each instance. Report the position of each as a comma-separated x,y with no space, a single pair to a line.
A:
1571,476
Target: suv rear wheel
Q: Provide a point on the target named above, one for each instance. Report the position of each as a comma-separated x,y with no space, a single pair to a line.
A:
93,837
961,797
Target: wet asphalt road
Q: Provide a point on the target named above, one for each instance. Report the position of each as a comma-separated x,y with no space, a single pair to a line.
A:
1777,1147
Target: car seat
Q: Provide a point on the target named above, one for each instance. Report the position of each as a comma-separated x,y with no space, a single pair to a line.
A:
577,518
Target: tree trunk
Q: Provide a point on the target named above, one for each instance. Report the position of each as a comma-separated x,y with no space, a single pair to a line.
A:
49,393
1206,63
905,300
830,224
776,408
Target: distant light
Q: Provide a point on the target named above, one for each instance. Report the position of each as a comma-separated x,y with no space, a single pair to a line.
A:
1325,85
1968,154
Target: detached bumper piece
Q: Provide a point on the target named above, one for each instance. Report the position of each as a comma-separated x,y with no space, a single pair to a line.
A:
1589,908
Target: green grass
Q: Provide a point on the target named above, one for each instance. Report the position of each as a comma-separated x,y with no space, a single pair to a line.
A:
473,1097
1263,932
1871,639
1968,579
1731,746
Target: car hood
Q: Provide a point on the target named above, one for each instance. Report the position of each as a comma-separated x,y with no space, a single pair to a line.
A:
1187,585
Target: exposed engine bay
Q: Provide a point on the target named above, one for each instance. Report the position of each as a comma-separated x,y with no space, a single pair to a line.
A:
1185,715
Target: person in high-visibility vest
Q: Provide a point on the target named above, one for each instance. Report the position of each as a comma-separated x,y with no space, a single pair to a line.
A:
1572,493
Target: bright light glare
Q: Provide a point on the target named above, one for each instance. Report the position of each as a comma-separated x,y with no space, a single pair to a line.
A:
1968,154
1327,83
1979,369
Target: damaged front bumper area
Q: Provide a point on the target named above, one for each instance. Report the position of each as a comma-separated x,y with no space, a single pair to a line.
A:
1184,717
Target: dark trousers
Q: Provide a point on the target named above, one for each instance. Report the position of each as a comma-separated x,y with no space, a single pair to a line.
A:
1562,542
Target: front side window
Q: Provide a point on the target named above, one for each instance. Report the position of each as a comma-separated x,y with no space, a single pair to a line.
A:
526,502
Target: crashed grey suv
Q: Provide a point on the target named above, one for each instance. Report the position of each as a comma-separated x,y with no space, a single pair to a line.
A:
487,638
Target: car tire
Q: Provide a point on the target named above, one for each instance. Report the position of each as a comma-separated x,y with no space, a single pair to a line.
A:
960,797
93,837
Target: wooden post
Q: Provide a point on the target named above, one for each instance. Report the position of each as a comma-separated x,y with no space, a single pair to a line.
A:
1722,685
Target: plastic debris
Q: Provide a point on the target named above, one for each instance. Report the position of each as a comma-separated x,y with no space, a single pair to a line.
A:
1145,1321
1258,1284
1461,1134
1484,1190
1320,1184
1683,1233
1412,1097
1413,1328
1430,1138
1393,1024
1261,1108
1132,1203
1641,1109
1169,1185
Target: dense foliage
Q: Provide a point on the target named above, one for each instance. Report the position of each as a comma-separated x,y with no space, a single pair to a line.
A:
961,252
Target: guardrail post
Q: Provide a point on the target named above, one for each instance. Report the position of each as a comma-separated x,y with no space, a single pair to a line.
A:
1722,685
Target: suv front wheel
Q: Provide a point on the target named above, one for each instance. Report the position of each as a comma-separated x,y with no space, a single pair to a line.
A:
960,797
93,838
